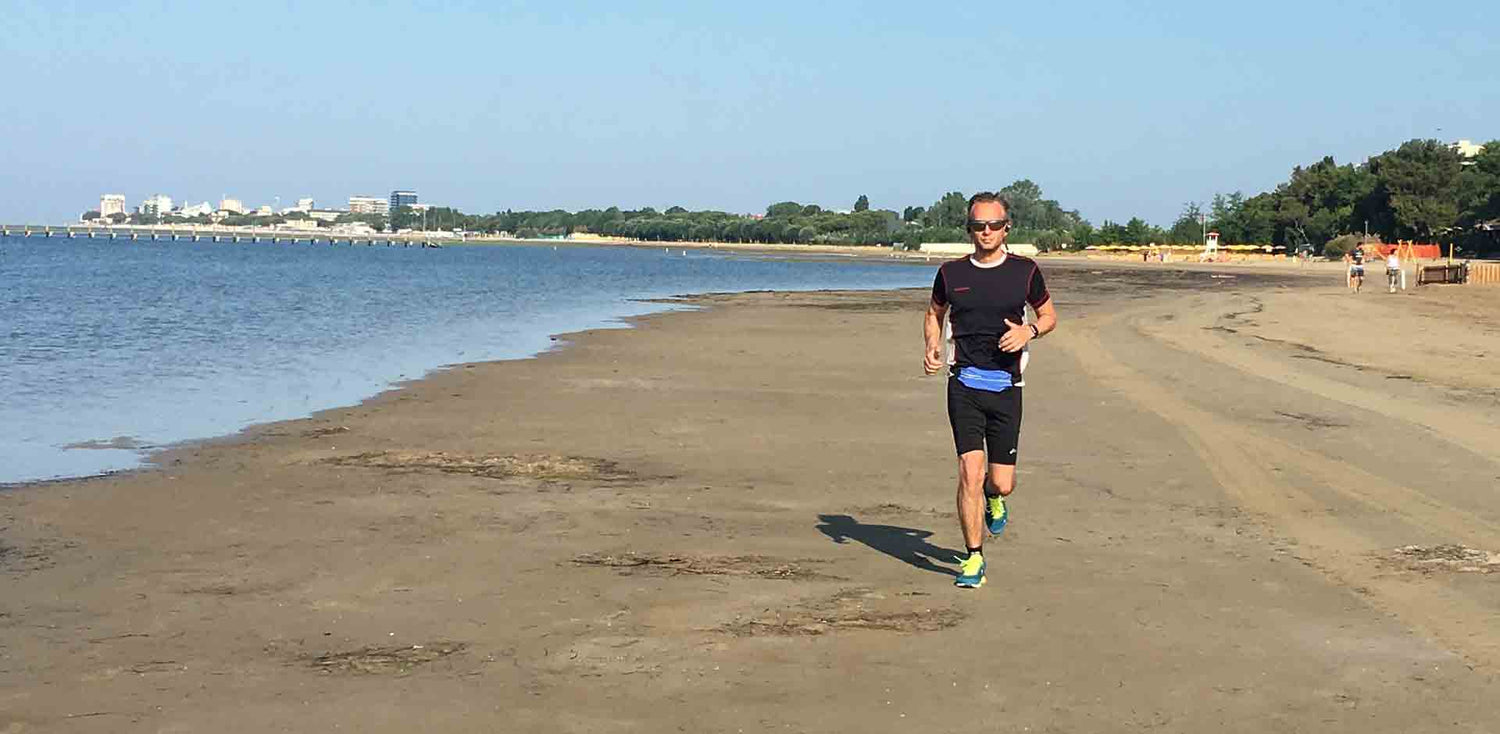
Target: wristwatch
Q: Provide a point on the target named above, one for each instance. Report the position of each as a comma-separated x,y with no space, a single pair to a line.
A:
1035,332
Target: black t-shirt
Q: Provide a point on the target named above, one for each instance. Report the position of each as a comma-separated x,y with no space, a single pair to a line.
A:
980,300
1357,256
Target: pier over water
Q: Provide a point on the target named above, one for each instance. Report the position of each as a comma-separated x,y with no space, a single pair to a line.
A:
226,234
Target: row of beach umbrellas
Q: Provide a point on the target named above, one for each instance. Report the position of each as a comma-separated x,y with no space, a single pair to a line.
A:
1192,248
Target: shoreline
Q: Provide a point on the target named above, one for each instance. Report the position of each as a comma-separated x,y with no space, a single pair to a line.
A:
146,459
145,462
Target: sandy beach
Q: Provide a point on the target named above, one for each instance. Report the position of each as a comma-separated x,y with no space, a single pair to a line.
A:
1248,501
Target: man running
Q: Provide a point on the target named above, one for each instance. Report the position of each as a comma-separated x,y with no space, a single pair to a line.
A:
985,296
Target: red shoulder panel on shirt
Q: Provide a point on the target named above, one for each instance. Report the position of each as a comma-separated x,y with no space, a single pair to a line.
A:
1046,294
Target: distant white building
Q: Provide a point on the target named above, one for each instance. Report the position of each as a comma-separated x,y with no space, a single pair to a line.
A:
369,205
233,206
303,205
111,204
1467,148
157,205
197,210
359,228
264,210
325,215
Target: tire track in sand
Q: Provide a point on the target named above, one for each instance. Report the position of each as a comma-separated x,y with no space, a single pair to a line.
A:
1230,451
1477,436
1348,480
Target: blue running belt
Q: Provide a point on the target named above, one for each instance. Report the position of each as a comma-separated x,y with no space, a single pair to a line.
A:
991,380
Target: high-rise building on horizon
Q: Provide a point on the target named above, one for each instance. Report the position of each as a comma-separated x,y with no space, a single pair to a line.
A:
368,205
111,204
234,206
402,198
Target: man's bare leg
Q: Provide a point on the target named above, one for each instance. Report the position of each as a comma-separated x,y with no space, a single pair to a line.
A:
971,497
1003,478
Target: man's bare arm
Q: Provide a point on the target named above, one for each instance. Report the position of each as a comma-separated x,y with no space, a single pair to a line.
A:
1017,336
932,338
1046,318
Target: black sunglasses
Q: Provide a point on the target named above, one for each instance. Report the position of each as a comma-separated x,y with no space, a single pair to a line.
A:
980,225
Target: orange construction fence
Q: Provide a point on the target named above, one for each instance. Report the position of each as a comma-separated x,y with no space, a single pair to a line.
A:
1410,250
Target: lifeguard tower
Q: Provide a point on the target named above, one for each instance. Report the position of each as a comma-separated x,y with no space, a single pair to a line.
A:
1210,247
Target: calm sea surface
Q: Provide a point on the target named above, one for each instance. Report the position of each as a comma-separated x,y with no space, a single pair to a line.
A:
110,348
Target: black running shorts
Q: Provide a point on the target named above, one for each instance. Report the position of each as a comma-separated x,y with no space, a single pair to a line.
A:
983,418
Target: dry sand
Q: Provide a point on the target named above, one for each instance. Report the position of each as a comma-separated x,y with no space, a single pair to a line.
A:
1252,503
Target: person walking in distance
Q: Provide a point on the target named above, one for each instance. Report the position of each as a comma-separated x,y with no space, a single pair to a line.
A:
985,296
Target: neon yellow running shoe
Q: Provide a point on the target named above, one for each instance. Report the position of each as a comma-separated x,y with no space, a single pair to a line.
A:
970,572
995,514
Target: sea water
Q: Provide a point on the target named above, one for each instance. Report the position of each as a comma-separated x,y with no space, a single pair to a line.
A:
109,349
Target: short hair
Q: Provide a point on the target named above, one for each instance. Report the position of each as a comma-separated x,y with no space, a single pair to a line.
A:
986,197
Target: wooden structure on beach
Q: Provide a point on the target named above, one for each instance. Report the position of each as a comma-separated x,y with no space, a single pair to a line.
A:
1470,273
1483,273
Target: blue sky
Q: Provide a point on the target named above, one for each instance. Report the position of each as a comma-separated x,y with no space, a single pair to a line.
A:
1115,109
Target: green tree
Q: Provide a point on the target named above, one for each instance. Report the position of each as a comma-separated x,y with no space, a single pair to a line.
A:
1111,234
1026,206
862,204
1420,182
784,209
1083,234
950,211
1188,229
89,215
1137,232
1479,200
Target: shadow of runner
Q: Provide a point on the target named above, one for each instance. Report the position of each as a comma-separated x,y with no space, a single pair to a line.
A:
908,545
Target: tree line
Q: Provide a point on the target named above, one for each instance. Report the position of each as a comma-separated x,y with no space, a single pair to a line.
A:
1039,219
1422,190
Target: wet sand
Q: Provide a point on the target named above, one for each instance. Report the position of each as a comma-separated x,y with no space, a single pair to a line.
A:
1249,503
